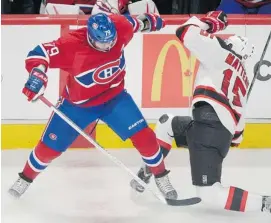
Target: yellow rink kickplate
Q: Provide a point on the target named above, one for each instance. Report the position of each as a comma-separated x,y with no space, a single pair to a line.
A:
26,136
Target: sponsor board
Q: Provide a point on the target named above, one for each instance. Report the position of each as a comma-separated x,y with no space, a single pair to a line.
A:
160,74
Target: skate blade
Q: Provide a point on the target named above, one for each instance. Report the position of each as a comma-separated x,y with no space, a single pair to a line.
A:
137,187
14,194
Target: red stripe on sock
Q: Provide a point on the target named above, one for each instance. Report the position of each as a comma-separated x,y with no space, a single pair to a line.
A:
244,201
164,144
230,198
158,169
29,172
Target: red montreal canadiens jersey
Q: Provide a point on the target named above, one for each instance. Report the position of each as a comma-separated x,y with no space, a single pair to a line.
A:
94,76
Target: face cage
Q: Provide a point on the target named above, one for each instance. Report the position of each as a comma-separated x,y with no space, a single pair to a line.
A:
104,47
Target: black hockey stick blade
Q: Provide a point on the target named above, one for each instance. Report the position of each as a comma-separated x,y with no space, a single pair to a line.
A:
183,202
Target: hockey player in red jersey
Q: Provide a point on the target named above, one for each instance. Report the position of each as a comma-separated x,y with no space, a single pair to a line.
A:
218,111
94,58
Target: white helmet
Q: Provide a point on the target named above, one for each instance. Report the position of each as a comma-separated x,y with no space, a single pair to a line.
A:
241,46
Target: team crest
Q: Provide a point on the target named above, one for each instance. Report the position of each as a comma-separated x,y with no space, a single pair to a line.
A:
53,136
103,74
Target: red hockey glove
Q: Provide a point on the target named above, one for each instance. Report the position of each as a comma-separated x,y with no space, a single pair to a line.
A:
217,21
123,6
35,85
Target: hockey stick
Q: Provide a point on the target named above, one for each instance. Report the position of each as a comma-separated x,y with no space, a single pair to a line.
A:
259,65
184,202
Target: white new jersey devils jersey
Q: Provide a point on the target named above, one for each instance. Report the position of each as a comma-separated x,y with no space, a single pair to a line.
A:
221,80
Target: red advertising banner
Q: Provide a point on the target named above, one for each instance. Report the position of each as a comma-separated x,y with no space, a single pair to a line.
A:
168,72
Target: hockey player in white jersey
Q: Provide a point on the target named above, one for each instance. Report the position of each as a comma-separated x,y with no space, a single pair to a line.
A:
218,110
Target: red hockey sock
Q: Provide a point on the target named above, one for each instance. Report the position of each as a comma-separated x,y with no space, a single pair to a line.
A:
147,145
38,160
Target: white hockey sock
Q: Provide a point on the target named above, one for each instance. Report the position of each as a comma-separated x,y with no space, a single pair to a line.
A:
229,198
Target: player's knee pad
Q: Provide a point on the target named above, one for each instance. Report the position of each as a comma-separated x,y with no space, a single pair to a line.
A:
45,153
145,142
163,130
180,124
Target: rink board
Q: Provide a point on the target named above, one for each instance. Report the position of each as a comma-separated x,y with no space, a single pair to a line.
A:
160,79
27,136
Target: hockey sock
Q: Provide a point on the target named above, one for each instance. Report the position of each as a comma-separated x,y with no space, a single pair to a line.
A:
146,144
38,160
237,199
241,200
230,198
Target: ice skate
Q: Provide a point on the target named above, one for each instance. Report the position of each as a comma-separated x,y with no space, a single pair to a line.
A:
165,187
20,186
144,174
266,204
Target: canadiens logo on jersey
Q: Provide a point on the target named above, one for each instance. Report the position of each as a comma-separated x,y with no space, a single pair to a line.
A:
103,74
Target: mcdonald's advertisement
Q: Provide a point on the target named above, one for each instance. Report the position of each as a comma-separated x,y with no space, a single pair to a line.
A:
168,71
160,72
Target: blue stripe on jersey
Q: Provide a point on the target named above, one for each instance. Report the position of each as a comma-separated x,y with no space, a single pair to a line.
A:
154,161
35,163
37,51
130,19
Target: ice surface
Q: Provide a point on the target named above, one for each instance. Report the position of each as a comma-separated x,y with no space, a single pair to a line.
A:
84,187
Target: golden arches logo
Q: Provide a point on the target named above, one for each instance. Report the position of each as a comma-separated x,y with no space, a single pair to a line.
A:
188,65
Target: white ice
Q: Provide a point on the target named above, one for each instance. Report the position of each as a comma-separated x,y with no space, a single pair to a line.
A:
85,187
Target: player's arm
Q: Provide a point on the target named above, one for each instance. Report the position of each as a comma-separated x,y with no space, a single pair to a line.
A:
54,54
42,57
195,35
147,22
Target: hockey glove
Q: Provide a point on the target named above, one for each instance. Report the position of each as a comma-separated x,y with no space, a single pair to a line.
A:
217,21
35,85
235,144
152,22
